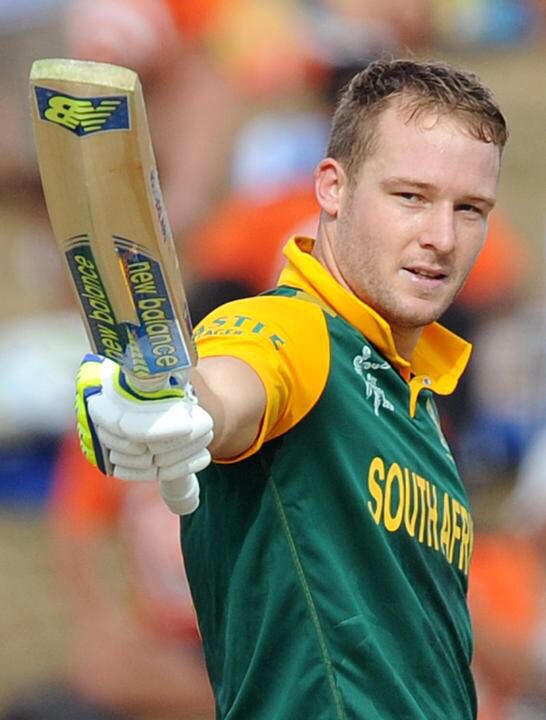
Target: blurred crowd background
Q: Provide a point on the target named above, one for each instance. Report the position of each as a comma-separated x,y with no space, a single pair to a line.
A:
94,612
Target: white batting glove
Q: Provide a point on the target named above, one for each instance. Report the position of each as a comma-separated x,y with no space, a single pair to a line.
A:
148,436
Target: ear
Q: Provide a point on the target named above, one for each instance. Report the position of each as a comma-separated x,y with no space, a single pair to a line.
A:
330,182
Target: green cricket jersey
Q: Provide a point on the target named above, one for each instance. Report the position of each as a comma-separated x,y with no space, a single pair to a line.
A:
329,563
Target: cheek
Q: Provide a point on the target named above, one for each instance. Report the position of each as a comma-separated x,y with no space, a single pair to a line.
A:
471,243
394,227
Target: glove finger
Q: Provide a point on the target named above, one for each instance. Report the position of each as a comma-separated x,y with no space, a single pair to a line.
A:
169,420
170,451
105,412
181,495
183,420
127,473
194,464
175,444
135,462
121,444
201,421
160,439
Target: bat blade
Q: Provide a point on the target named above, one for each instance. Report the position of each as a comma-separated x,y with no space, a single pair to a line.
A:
106,210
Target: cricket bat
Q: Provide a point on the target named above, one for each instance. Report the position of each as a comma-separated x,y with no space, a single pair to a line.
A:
102,192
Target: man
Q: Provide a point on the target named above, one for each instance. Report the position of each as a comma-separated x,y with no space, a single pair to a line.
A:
329,557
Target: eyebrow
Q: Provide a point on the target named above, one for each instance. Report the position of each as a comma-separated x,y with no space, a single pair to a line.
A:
395,180
489,202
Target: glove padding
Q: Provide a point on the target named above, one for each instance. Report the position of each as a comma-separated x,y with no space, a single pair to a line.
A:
135,435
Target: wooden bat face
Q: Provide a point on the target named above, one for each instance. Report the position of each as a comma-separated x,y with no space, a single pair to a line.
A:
105,205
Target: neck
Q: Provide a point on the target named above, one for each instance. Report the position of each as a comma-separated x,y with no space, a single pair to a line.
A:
405,339
322,251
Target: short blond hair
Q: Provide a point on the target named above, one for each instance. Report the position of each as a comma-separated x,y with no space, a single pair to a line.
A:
420,86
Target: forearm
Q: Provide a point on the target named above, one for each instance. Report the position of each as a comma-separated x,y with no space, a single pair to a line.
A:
232,393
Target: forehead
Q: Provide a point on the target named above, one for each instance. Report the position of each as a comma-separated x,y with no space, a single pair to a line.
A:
433,146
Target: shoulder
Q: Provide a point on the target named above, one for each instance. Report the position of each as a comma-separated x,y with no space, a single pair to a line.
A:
279,322
285,339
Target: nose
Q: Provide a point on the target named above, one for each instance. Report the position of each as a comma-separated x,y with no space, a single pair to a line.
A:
438,231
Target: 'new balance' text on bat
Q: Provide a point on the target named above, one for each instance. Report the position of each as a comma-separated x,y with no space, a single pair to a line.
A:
103,197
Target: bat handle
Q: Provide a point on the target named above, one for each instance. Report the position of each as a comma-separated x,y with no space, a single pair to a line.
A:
181,495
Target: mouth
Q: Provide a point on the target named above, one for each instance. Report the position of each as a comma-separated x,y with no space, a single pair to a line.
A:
424,276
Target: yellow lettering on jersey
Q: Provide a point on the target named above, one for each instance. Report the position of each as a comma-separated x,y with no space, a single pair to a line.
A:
412,501
432,516
238,325
376,474
422,485
393,520
445,534
464,547
403,500
456,533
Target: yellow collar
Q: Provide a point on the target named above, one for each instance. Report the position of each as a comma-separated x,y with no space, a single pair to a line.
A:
440,356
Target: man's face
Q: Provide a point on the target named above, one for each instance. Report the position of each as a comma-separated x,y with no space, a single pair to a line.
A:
405,234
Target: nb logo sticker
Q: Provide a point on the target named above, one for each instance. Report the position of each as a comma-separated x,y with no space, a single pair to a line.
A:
83,116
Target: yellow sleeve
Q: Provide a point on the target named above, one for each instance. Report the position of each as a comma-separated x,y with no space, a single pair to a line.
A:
285,340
